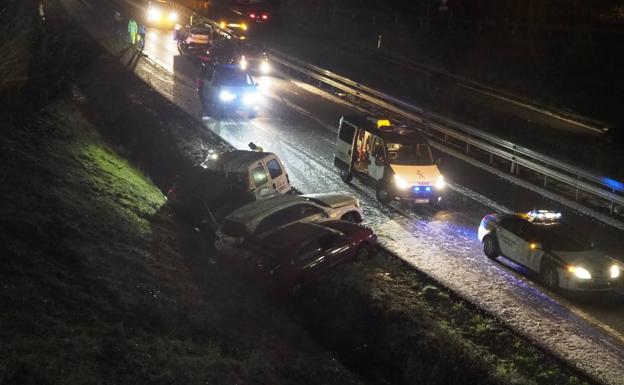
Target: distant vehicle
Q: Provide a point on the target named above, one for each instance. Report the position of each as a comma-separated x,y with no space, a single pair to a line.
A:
227,87
259,12
258,219
297,253
540,242
398,160
161,14
194,40
254,57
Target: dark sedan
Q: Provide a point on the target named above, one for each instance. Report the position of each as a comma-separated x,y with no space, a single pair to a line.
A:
299,252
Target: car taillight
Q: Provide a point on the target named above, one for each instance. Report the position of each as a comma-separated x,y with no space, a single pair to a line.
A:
252,15
265,16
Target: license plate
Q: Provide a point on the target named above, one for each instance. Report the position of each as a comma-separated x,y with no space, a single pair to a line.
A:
421,200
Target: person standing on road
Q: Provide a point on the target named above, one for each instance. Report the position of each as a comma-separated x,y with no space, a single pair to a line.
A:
118,23
132,30
142,31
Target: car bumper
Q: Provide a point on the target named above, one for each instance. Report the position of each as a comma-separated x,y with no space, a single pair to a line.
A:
419,194
595,284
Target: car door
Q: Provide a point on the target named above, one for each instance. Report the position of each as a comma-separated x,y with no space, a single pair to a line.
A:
344,145
377,159
279,180
335,249
309,261
511,241
261,184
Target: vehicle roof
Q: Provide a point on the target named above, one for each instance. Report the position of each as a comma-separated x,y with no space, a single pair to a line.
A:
411,135
241,159
290,237
260,208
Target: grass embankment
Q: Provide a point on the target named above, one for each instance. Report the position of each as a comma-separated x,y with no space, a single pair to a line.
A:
394,325
98,286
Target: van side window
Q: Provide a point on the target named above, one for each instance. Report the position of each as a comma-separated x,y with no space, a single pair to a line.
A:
346,133
259,176
274,168
378,149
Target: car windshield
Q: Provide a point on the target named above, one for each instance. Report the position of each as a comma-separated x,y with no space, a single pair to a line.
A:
232,77
418,154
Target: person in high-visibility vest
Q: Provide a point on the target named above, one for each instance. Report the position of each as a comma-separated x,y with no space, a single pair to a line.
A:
132,30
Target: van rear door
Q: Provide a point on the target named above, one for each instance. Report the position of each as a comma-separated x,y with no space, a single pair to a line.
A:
261,183
277,174
344,145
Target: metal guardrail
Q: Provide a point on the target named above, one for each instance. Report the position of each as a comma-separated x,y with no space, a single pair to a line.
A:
579,179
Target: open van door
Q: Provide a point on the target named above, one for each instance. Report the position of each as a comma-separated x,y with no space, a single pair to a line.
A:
345,143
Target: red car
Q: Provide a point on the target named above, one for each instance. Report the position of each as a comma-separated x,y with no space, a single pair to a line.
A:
297,253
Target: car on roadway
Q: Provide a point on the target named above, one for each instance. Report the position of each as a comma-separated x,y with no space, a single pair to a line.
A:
254,57
161,14
397,160
255,220
539,241
227,87
299,252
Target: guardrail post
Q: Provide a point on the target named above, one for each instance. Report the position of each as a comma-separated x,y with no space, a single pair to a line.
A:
513,162
578,181
612,207
467,148
545,179
491,158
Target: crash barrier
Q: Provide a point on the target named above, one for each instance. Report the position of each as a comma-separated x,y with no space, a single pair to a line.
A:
450,133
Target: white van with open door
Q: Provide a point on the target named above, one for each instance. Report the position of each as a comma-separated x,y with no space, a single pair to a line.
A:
396,159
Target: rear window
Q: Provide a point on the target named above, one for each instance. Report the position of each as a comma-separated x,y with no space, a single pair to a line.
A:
233,229
346,133
274,168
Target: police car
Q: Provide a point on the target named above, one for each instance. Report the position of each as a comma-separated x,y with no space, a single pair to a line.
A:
539,241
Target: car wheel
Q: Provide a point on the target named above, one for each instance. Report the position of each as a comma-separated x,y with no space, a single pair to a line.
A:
490,247
364,252
346,176
351,217
383,194
550,279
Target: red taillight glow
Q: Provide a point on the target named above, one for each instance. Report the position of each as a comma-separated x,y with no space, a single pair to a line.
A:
252,15
265,16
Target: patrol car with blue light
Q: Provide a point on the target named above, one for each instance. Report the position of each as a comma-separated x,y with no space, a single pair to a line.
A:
539,241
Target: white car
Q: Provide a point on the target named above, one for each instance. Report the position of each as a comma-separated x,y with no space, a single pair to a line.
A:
258,219
538,241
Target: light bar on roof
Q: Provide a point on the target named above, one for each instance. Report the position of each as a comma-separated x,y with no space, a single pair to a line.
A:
543,215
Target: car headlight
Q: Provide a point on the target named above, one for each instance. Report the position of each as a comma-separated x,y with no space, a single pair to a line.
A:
243,63
400,183
440,183
243,26
227,96
153,14
173,16
615,271
265,67
250,98
580,272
